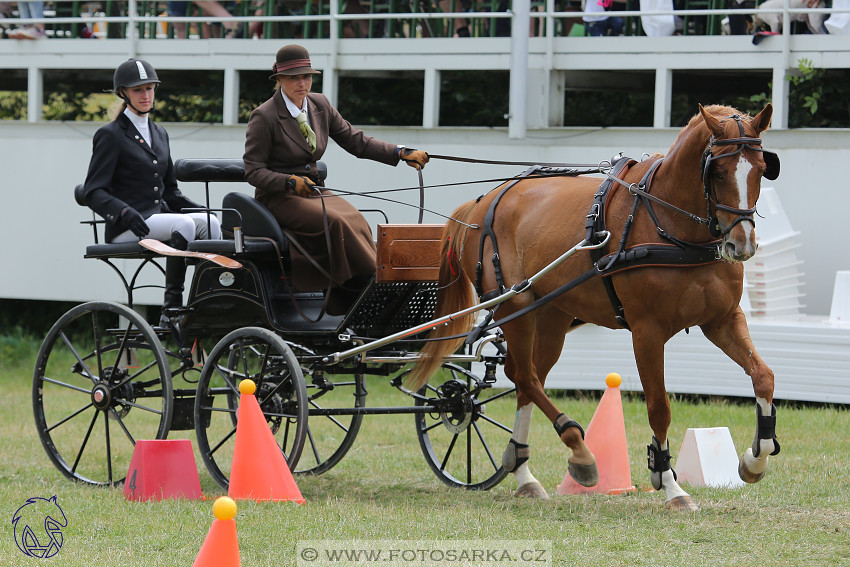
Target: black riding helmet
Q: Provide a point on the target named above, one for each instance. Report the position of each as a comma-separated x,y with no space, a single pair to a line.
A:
132,73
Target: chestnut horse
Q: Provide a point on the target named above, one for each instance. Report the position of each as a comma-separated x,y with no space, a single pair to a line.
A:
714,168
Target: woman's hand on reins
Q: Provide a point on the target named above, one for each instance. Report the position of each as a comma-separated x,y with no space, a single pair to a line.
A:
302,186
414,158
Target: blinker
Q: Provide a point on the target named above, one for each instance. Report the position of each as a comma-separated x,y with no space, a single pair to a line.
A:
771,160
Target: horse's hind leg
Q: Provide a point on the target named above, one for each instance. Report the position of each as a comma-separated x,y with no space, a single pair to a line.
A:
531,354
732,336
516,455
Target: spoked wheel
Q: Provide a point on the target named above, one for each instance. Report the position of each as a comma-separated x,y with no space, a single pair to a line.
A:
463,439
262,356
330,432
101,382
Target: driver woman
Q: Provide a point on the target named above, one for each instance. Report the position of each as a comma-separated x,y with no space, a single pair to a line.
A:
131,181
286,136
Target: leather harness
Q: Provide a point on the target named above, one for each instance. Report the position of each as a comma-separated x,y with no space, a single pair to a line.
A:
674,253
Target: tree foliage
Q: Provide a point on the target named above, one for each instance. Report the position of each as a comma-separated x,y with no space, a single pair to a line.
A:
816,98
467,98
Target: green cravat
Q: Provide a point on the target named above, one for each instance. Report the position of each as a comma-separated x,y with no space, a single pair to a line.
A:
306,130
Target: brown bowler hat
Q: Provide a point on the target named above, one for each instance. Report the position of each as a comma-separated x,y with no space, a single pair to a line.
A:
292,60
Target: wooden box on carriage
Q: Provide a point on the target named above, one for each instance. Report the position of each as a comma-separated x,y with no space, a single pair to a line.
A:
408,252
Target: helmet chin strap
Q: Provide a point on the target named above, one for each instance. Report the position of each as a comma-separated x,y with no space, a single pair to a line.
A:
126,100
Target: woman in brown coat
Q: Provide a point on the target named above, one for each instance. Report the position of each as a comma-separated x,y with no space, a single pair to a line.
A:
280,162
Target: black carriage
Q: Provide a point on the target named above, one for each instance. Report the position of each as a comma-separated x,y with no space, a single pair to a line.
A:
105,377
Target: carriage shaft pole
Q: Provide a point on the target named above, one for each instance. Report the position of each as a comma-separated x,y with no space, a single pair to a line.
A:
515,290
375,410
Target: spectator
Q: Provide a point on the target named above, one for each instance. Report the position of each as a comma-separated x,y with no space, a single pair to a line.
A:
29,9
814,22
459,26
601,24
180,8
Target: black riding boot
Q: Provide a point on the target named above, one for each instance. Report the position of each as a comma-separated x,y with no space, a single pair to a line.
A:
175,274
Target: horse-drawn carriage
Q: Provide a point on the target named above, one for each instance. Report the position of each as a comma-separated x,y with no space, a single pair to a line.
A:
105,377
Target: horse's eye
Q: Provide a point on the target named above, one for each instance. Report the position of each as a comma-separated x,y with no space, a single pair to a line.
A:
718,175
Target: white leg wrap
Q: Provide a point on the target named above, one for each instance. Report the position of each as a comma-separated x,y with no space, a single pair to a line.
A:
757,465
522,423
522,426
670,486
523,475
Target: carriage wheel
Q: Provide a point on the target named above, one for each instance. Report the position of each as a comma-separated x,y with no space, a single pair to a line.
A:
330,435
463,444
262,356
101,382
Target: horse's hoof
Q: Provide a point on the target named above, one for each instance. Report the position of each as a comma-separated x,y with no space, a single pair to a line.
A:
682,504
747,475
532,490
585,475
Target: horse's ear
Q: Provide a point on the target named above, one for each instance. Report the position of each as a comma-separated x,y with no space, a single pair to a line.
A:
762,120
712,122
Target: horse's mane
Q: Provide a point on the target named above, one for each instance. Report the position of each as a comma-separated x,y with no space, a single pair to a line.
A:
698,133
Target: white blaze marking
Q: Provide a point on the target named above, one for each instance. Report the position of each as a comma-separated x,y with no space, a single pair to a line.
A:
741,174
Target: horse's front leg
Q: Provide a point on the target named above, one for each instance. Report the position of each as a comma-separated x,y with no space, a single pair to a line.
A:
649,357
517,452
732,336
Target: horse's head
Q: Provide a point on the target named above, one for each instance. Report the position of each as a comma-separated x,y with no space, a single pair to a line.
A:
732,166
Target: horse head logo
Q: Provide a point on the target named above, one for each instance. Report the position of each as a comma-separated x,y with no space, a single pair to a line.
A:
38,527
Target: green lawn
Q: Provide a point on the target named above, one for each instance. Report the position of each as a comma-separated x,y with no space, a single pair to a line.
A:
383,490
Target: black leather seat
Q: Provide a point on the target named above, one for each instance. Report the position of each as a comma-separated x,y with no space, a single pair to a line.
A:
98,250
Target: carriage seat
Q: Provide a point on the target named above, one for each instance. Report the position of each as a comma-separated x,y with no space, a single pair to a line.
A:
99,250
261,230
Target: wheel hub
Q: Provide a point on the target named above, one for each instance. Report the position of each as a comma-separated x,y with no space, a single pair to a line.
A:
110,394
101,397
460,407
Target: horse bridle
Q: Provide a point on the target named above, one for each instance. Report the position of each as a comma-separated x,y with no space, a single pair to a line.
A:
745,142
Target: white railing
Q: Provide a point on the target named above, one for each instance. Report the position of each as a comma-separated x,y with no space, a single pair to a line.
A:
548,15
538,65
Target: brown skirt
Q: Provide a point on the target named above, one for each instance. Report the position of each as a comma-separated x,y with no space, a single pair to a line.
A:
352,244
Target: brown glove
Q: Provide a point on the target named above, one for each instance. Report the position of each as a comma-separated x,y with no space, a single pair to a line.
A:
414,158
302,186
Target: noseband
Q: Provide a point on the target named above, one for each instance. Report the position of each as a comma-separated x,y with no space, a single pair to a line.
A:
710,193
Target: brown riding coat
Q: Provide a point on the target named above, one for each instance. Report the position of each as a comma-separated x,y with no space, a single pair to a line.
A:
276,148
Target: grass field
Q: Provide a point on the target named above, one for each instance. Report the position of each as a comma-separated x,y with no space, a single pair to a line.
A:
383,490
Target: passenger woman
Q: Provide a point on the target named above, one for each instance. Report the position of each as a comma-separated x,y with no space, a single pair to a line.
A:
131,181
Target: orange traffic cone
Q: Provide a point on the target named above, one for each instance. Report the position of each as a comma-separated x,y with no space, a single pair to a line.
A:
259,470
221,547
606,438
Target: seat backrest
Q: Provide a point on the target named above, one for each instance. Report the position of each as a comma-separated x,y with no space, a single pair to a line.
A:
256,219
222,169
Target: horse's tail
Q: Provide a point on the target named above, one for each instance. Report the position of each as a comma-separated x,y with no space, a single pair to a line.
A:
455,293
